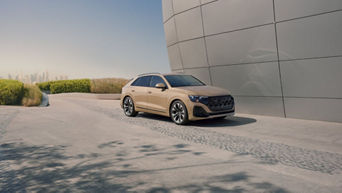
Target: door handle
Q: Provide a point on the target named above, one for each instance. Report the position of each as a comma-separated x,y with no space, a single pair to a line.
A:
149,92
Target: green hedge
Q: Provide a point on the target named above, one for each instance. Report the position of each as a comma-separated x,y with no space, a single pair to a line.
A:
64,86
45,86
104,85
11,92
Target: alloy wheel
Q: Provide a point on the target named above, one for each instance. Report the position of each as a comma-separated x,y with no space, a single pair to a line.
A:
128,106
178,112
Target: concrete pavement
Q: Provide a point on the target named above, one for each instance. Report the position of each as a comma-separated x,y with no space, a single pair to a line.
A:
88,145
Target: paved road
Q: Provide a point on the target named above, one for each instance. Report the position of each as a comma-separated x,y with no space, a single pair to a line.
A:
88,145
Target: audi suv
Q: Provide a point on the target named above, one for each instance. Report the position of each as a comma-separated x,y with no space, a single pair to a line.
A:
182,97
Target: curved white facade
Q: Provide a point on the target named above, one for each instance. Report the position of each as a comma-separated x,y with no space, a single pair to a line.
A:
277,57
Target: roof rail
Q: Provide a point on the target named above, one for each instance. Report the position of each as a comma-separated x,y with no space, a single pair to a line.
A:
149,73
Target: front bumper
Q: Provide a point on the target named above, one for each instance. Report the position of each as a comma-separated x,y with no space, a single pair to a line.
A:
214,106
198,111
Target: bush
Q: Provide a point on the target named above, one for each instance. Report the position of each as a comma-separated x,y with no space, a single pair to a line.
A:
64,86
11,92
32,96
45,86
107,85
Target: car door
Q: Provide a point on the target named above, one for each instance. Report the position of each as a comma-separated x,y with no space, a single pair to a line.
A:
157,97
139,91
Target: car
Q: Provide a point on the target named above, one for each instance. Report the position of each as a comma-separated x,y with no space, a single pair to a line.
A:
182,97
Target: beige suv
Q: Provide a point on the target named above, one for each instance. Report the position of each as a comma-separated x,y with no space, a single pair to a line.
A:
181,97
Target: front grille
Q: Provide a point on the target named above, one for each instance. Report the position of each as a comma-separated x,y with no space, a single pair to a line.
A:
221,103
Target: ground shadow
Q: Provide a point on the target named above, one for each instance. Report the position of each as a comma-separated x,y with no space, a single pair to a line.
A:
217,184
31,168
227,122
26,168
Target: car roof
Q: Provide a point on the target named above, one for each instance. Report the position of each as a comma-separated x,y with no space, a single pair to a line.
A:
157,73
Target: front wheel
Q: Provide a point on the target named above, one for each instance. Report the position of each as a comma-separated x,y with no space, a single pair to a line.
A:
179,113
128,107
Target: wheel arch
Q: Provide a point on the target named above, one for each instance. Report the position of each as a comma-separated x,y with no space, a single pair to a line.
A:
124,97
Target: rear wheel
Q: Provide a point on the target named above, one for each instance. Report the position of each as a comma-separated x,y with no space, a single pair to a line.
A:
128,107
179,113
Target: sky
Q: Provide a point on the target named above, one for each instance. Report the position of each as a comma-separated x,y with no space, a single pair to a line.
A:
82,38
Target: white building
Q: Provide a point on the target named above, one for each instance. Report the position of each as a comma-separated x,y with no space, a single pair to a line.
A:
277,57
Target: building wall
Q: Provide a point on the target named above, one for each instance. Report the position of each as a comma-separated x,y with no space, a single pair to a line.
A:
277,57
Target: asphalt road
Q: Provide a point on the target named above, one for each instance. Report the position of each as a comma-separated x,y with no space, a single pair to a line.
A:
88,145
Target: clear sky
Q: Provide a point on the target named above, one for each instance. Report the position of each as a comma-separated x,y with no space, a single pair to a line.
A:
82,38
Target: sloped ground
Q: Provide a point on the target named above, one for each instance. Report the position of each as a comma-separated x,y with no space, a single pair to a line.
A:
88,145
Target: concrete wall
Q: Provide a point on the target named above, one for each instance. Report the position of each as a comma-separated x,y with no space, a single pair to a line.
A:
277,57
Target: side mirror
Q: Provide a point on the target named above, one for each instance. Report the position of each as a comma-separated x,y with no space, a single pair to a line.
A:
161,85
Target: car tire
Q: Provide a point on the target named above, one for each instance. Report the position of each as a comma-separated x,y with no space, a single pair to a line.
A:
179,113
129,108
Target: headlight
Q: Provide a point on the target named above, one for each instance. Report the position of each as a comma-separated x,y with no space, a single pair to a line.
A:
199,99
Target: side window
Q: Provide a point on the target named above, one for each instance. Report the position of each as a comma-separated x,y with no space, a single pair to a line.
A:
136,82
155,80
142,81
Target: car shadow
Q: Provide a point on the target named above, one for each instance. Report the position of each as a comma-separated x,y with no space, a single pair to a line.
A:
154,117
227,122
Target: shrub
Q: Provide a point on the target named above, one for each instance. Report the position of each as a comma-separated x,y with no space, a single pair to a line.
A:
107,85
32,96
45,86
11,92
64,86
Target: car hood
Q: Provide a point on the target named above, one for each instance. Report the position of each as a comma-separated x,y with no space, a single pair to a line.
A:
204,90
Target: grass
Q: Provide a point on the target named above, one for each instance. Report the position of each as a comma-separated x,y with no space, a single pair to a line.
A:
32,96
107,85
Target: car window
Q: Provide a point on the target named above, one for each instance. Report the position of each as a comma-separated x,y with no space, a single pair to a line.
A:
183,80
155,80
142,81
136,82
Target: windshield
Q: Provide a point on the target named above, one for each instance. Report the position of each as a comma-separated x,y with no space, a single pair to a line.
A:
183,80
